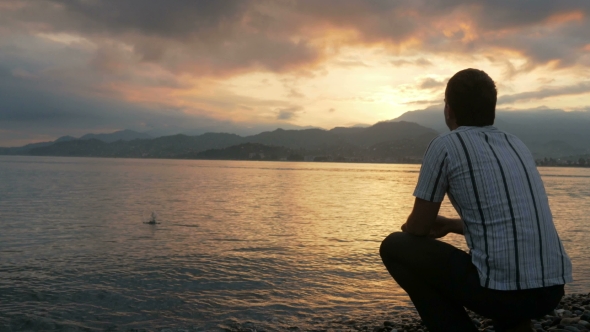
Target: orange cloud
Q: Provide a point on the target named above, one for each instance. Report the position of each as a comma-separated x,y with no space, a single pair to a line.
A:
208,59
562,18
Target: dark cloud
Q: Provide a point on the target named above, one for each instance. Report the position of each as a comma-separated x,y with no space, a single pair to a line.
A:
288,113
210,37
32,113
576,89
216,37
542,31
168,19
507,14
74,84
25,104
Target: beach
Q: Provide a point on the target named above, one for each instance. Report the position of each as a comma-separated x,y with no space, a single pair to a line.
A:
572,314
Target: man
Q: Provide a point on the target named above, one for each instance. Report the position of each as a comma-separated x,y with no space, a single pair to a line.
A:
517,266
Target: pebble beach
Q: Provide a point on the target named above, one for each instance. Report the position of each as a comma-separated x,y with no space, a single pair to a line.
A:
571,315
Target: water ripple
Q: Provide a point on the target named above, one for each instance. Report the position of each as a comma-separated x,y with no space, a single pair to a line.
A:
279,244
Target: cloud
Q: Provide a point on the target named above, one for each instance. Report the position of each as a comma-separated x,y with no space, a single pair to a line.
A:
288,113
203,37
351,63
31,113
431,83
295,93
84,63
420,62
211,37
422,102
576,89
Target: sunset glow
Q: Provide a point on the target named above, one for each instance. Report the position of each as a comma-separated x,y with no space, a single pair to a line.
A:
69,68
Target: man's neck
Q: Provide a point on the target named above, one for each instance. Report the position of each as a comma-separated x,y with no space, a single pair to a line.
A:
452,126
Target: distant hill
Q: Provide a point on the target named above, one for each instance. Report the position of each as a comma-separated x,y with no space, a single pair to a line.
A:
547,133
384,141
388,132
75,148
318,138
344,131
124,135
250,151
26,148
408,150
64,139
302,139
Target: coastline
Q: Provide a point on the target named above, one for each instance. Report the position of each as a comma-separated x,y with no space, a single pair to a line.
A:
406,162
572,314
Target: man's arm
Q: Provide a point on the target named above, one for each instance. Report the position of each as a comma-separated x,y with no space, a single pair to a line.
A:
425,221
443,226
422,218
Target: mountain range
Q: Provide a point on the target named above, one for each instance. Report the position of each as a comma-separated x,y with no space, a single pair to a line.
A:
124,135
548,133
384,141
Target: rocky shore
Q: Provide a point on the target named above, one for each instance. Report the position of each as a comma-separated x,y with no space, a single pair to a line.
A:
571,315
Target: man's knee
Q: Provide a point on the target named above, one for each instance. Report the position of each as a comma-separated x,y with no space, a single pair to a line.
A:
394,244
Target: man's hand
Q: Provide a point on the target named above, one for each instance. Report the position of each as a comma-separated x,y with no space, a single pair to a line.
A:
443,226
405,227
422,217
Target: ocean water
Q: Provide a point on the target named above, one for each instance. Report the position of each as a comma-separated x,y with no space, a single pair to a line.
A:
278,244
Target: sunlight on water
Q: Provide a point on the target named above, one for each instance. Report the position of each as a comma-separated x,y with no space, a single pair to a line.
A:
290,243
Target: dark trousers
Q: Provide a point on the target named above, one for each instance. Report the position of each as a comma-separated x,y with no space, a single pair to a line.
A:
442,281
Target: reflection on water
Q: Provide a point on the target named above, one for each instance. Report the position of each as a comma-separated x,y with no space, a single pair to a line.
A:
280,243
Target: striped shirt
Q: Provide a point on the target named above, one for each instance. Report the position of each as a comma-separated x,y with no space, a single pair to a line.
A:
492,181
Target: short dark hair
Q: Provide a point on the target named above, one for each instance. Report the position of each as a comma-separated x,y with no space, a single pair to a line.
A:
472,96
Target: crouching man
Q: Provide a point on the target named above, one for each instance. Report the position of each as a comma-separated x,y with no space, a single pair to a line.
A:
517,267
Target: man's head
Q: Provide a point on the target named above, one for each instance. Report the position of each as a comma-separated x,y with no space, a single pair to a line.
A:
470,99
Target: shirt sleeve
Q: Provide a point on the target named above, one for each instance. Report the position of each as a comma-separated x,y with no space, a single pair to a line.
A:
433,181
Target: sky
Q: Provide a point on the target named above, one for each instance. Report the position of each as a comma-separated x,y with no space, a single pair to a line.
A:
71,67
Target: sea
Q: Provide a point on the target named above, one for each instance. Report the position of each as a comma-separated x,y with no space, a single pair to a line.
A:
275,244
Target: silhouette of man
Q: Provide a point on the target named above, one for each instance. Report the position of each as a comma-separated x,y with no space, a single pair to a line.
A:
516,266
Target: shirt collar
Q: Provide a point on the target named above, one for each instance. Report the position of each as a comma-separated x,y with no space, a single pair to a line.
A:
466,128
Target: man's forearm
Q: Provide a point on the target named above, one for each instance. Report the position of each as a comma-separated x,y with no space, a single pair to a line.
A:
455,225
417,230
422,218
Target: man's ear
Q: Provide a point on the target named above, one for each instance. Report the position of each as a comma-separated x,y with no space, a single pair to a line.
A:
450,119
449,115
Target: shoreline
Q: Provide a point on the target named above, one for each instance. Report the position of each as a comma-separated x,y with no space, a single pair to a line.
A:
572,314
264,160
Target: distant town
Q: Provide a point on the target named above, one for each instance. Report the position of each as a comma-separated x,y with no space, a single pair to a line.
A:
581,162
